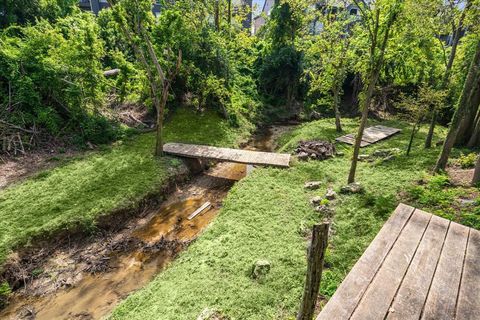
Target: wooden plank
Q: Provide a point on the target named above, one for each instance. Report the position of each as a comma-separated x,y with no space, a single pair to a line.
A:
469,295
442,297
409,301
348,295
205,206
351,140
371,135
381,291
226,154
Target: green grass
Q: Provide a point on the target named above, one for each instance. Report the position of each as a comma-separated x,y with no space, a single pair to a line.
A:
267,216
79,191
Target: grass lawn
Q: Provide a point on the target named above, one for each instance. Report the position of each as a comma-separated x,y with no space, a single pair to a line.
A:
81,190
267,216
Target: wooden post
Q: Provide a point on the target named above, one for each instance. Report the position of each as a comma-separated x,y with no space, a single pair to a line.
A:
316,255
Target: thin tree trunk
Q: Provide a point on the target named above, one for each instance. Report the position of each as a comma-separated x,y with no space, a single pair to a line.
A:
476,173
336,108
229,12
472,80
448,69
217,15
376,66
412,136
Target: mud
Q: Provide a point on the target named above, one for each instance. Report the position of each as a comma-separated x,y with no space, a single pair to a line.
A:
87,279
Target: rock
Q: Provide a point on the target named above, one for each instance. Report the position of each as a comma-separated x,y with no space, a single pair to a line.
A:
316,200
354,187
466,202
303,156
210,314
330,195
340,154
363,157
324,209
260,269
390,158
315,115
312,185
317,150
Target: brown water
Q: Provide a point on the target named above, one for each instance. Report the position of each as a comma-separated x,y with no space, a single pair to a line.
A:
66,290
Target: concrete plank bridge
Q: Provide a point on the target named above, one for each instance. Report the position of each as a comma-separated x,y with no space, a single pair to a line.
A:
227,154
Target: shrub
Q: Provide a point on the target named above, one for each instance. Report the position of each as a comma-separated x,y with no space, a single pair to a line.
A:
467,161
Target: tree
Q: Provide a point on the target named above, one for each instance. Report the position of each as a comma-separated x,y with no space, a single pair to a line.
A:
476,173
377,22
133,17
469,87
417,108
457,29
328,57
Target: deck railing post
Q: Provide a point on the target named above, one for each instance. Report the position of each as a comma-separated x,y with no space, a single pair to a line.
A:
316,255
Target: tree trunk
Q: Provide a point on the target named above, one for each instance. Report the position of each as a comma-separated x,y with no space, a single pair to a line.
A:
448,69
336,108
217,15
467,125
376,66
431,129
476,173
471,81
160,116
316,255
412,136
229,12
475,134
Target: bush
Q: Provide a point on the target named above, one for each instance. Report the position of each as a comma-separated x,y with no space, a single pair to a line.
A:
467,161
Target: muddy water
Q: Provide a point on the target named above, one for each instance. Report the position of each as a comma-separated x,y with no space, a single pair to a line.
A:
87,281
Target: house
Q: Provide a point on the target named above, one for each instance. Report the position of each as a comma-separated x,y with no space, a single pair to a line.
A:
96,5
316,27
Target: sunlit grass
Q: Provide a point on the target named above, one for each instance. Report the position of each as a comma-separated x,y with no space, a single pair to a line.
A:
267,216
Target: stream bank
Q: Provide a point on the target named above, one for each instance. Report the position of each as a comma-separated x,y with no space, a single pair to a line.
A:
86,280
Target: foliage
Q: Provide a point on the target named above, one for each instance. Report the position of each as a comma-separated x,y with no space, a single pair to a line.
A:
467,161
51,77
5,291
25,11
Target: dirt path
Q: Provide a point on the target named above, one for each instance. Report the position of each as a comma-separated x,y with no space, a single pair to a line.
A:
86,280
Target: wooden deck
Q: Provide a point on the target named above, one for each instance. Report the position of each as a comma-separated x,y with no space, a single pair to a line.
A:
419,266
370,136
226,154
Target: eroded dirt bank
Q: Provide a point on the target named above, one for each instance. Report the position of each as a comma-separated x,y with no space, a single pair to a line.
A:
87,279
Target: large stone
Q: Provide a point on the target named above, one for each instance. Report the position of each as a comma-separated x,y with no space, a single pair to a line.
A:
260,269
312,185
316,200
330,195
363,157
324,209
303,156
354,187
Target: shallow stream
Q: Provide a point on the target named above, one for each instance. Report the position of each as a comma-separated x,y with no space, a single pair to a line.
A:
88,280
